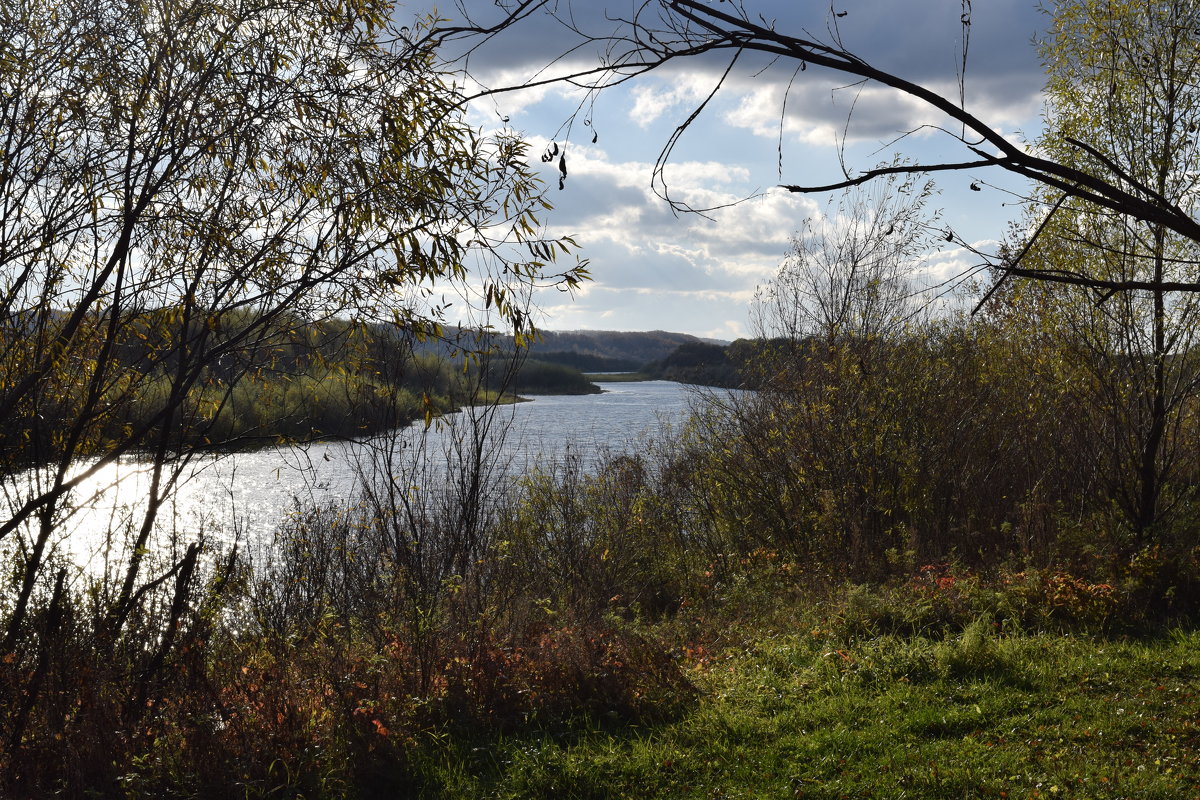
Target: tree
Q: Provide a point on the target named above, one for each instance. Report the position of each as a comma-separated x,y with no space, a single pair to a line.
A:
827,427
847,278
879,435
660,32
1123,78
183,185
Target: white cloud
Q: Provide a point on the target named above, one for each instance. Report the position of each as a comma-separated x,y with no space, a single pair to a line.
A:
652,99
728,330
519,103
821,113
745,240
658,269
719,315
683,272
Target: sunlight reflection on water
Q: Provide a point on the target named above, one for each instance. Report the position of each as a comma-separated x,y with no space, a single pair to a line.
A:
244,495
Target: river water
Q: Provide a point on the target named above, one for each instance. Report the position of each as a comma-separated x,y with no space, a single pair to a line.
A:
248,493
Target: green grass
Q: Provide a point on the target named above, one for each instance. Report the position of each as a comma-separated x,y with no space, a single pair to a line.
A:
795,716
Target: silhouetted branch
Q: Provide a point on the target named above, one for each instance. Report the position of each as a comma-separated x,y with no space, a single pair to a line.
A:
661,32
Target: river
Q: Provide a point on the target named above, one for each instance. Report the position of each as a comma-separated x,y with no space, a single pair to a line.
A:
247,493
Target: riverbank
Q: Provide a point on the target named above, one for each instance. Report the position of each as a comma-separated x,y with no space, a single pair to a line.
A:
332,405
616,377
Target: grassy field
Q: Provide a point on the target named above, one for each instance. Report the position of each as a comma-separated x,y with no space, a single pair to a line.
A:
975,715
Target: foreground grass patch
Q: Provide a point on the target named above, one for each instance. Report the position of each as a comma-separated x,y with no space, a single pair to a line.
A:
973,716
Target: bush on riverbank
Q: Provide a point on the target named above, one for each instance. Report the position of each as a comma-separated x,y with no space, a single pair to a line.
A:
325,401
329,379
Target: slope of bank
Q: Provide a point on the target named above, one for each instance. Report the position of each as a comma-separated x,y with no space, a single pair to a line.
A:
800,715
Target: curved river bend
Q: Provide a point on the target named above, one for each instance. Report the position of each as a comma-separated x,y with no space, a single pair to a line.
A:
250,492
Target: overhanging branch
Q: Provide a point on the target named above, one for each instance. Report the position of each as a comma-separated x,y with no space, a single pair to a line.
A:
900,169
659,32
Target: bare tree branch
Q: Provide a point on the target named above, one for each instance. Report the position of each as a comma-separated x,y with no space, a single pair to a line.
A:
896,169
662,32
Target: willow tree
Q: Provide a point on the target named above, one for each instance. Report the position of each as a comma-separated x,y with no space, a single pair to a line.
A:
1122,78
182,183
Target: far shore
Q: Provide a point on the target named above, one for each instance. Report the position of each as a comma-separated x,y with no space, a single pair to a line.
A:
615,377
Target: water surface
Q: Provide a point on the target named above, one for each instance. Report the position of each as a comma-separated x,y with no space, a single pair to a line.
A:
249,492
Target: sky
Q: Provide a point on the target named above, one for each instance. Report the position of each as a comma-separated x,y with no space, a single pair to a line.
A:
655,269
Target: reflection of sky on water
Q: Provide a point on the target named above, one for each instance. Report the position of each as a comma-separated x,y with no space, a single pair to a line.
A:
243,495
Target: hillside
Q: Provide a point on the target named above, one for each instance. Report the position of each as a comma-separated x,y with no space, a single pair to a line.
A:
635,348
593,351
